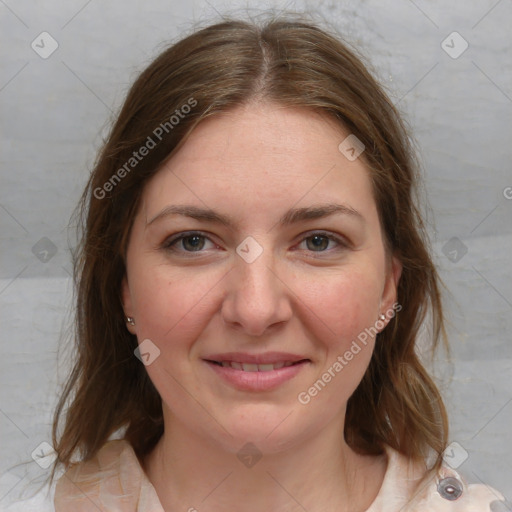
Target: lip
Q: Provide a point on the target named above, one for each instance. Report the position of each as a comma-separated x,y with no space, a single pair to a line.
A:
264,358
257,380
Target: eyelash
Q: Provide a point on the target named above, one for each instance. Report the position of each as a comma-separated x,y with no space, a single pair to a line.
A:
169,243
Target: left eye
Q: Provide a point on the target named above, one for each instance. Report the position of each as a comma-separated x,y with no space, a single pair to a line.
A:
318,242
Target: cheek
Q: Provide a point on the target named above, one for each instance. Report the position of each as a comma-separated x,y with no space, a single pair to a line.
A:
343,304
343,312
169,306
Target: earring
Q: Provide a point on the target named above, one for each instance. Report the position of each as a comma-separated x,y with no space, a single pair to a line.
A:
382,317
130,320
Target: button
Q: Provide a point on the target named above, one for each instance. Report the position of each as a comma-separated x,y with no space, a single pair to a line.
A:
449,488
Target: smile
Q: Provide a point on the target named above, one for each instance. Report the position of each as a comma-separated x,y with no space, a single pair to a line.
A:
263,372
251,367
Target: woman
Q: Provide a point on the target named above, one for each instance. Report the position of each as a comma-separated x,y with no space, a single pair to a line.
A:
250,286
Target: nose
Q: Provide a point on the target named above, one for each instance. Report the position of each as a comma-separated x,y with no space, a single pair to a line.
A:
257,297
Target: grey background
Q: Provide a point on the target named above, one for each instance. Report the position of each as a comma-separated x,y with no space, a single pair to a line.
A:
56,110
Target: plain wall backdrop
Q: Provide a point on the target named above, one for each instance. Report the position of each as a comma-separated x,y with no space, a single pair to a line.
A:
65,69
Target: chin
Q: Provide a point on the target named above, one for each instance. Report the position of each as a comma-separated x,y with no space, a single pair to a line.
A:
269,427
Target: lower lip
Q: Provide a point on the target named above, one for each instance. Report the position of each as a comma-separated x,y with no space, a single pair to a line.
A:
257,381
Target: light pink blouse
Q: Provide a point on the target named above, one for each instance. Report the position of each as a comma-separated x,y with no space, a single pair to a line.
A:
114,481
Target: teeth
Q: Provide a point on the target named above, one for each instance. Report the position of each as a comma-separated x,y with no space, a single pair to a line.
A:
251,367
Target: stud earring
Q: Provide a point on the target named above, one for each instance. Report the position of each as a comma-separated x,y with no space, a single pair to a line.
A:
130,320
382,317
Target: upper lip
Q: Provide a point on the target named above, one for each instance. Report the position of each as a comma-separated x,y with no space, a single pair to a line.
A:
265,358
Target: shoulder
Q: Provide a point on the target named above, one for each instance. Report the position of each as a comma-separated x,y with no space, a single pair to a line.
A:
113,474
445,491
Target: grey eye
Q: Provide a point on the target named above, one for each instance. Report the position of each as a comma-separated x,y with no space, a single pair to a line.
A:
318,242
196,242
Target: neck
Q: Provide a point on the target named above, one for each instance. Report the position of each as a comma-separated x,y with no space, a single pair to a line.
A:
190,472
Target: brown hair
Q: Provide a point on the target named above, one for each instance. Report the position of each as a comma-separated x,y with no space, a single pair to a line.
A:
293,63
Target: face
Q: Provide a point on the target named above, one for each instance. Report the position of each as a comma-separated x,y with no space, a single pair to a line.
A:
255,264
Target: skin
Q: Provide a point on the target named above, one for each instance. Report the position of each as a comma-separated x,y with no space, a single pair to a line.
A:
252,165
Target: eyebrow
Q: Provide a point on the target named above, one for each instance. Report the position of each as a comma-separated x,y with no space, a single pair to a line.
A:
292,216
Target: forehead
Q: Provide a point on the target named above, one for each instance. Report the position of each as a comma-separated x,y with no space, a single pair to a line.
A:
265,133
262,156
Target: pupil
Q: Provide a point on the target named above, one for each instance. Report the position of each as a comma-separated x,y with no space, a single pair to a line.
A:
319,241
194,245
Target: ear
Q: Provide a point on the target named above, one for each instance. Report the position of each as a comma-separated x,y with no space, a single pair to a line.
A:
127,303
389,294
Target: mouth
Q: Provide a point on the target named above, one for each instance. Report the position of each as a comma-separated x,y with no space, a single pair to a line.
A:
263,372
253,367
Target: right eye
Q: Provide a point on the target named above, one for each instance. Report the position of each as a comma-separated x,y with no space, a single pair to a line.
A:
188,242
